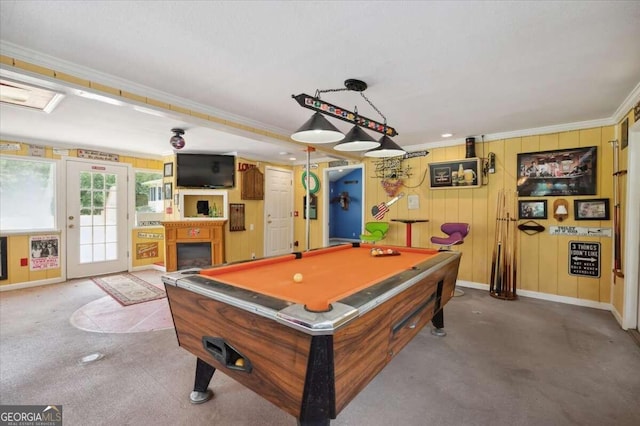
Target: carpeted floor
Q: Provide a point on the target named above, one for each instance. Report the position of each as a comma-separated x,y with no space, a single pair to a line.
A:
527,362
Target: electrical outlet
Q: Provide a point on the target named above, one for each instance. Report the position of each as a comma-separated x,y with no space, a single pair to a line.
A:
253,255
251,227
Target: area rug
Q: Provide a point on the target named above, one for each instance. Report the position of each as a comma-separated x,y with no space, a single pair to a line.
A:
128,289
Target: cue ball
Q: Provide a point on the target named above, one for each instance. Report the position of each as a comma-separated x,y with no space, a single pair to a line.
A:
297,278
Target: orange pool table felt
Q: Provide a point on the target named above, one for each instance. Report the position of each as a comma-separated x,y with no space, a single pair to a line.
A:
329,274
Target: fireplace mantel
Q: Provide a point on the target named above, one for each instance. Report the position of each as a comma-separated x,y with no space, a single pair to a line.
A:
193,231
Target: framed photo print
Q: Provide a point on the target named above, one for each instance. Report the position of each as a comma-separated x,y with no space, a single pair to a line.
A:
168,191
563,172
534,209
168,169
465,173
624,136
595,209
3,258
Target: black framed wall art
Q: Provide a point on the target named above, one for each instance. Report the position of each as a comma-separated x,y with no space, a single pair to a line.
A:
593,209
562,172
464,173
532,209
4,274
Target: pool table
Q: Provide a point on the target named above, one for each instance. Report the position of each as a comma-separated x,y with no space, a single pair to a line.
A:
310,346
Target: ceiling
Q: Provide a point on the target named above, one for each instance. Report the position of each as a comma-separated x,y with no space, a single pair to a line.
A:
468,68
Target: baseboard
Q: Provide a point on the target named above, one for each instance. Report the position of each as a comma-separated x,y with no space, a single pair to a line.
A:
153,266
546,296
635,336
30,284
617,316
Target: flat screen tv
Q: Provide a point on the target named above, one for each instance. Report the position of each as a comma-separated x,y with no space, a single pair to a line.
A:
205,170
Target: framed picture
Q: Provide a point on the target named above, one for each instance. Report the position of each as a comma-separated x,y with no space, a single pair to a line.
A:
595,209
167,191
563,172
313,207
533,209
3,259
624,131
465,173
168,169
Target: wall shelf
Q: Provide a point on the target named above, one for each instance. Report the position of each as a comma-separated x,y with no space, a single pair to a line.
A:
188,201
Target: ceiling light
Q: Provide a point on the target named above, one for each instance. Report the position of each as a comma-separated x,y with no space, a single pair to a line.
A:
446,135
100,98
292,158
387,148
150,111
357,139
317,129
177,141
26,95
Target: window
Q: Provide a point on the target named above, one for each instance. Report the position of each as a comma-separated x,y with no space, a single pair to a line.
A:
149,202
27,194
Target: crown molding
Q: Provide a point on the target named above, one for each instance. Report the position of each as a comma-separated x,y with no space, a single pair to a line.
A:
627,105
558,128
47,61
57,145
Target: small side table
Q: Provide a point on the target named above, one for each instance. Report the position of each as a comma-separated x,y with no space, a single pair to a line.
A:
408,223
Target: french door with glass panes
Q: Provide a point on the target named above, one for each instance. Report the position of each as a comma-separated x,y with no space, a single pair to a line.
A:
96,218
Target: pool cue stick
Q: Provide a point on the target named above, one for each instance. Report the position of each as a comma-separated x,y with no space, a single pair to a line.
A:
515,245
507,251
495,268
492,281
507,248
617,256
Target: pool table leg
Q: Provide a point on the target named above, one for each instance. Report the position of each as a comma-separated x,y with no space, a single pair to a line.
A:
204,373
318,400
323,422
438,323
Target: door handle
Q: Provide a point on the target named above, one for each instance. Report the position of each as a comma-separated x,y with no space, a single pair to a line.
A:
70,217
71,226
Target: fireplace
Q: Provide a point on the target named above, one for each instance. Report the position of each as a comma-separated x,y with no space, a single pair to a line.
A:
190,243
193,255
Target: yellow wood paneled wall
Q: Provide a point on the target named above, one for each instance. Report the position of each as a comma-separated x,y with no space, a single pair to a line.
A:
542,258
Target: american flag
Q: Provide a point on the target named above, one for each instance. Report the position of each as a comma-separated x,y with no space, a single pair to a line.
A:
382,209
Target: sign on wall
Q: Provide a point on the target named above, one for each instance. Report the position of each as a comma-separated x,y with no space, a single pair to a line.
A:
584,259
580,231
44,252
464,173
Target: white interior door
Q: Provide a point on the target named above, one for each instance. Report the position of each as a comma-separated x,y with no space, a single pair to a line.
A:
278,212
96,218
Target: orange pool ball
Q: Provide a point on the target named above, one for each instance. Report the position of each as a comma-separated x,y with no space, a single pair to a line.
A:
297,277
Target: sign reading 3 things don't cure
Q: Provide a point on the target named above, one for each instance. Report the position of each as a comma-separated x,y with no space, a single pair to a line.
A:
584,259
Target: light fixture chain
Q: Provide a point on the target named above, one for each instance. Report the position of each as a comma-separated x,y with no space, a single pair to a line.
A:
342,89
374,107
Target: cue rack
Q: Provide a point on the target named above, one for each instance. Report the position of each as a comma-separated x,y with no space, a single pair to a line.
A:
504,260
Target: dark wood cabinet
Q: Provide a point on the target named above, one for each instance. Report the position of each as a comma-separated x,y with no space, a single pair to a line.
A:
252,184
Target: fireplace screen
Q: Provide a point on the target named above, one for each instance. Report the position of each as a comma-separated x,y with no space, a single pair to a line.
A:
192,255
